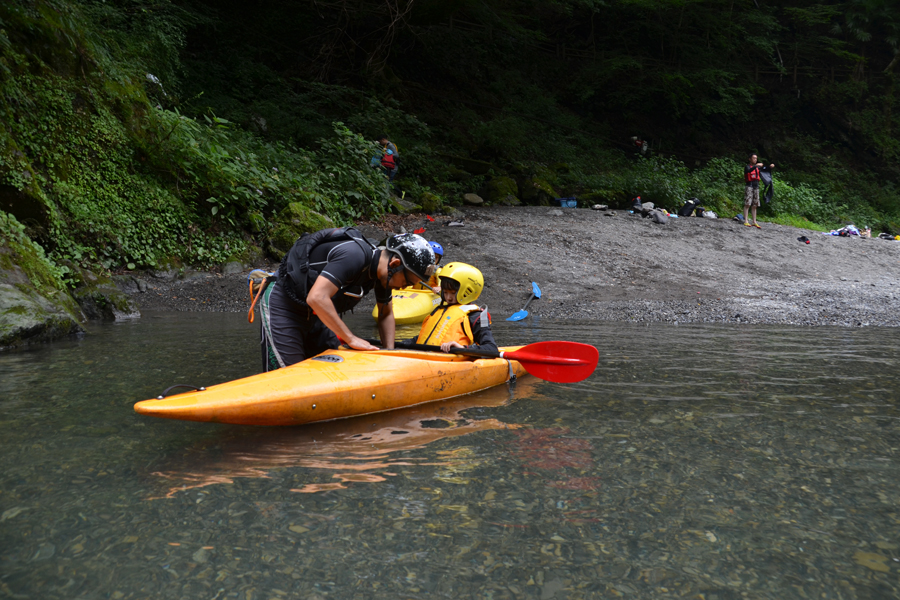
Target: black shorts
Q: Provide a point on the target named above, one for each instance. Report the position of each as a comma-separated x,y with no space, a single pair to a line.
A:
290,332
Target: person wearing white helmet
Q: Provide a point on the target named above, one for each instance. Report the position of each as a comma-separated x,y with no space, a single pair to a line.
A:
324,275
456,322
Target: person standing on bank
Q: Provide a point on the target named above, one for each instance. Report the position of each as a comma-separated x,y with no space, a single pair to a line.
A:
324,275
751,190
391,159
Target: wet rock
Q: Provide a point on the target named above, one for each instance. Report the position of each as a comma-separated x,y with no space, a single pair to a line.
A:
101,298
106,303
473,200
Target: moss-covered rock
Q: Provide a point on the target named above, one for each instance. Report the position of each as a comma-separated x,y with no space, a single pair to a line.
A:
106,303
100,298
243,261
292,222
27,318
402,206
34,304
430,203
502,190
537,191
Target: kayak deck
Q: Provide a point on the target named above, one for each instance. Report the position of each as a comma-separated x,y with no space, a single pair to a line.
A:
334,385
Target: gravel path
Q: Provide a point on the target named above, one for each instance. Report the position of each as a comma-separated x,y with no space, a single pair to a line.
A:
616,266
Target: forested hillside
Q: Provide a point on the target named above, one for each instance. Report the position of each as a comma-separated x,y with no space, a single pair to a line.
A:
137,133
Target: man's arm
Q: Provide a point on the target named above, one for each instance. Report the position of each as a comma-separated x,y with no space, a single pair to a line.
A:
386,325
319,299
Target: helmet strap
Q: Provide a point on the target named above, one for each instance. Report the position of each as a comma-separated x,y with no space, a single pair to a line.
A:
392,271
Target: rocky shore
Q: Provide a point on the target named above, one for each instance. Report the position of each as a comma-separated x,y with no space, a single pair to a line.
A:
612,265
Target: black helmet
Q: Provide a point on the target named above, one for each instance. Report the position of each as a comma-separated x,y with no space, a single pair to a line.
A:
415,253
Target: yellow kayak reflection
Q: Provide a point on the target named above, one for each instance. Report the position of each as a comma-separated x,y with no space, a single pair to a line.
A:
360,449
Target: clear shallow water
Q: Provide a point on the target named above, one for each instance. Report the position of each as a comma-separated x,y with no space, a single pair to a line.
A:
697,462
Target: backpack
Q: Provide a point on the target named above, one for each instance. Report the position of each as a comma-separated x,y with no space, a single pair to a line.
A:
688,208
294,274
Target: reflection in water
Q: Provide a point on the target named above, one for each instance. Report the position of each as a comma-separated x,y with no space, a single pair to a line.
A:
358,450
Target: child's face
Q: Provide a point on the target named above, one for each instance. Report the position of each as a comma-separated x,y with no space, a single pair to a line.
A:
449,296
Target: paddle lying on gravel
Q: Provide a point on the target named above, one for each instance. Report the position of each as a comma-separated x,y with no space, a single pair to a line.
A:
559,362
535,294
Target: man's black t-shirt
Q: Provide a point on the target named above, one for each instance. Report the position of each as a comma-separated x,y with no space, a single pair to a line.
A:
344,264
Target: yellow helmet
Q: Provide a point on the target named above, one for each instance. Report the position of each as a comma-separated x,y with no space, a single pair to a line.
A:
470,281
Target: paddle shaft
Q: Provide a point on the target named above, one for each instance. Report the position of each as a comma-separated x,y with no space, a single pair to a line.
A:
524,308
521,355
560,362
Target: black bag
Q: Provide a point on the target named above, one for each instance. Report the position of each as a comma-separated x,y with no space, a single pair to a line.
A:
688,208
636,205
295,275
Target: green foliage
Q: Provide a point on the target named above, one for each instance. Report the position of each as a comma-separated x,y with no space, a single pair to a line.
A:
254,119
348,187
127,183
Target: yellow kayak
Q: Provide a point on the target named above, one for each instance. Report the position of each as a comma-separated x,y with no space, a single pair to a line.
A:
411,306
337,384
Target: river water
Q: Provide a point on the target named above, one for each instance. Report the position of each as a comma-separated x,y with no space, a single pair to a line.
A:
697,462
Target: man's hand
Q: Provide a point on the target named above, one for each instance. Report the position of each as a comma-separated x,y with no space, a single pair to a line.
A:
445,347
358,343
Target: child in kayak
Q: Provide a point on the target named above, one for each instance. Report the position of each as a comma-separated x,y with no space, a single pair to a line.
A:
456,323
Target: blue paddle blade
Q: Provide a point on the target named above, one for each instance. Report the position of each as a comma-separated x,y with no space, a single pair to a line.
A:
518,316
535,289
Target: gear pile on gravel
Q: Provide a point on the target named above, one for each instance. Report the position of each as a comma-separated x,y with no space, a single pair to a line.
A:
611,265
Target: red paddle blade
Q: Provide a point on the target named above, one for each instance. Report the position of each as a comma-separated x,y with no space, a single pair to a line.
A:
560,362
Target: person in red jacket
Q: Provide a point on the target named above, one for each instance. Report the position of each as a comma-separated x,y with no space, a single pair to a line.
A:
390,158
751,189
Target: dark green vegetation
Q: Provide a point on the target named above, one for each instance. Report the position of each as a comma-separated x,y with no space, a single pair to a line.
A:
138,133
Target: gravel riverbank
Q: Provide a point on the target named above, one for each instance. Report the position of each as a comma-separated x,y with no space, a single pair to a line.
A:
611,265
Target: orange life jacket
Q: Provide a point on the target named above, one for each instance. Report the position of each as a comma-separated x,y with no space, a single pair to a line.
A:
448,324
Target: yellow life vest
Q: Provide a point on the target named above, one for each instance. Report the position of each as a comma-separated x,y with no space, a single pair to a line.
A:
448,324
